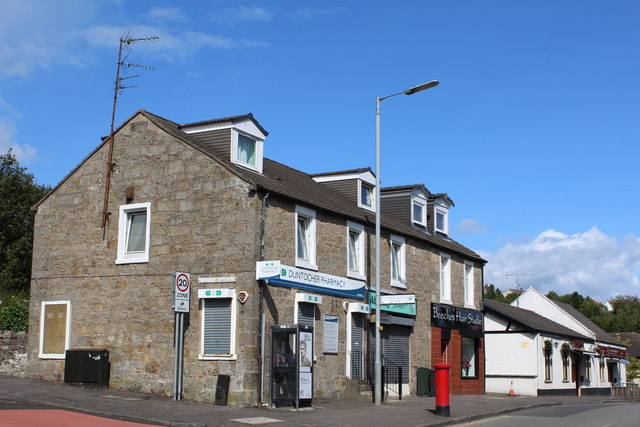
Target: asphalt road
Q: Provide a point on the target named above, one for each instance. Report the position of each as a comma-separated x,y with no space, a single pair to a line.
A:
582,415
21,414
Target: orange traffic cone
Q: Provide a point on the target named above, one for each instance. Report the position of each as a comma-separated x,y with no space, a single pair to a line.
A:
511,392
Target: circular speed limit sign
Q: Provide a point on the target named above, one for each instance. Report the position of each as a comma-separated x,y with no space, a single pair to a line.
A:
182,282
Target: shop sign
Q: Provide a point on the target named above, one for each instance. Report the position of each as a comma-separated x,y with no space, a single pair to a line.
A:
409,308
464,319
612,352
309,280
577,345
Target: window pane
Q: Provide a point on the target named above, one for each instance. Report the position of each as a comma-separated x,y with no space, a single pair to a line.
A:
303,241
137,235
365,195
417,213
55,328
395,259
246,150
468,357
353,251
439,221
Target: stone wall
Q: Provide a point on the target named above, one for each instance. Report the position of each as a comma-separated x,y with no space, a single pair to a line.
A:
13,353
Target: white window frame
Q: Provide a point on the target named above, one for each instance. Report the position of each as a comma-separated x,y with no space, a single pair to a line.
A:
371,208
311,237
125,257
228,293
468,275
358,274
445,279
41,353
445,213
422,221
401,282
307,299
259,151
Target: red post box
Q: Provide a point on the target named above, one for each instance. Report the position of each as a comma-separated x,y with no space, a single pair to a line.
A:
442,389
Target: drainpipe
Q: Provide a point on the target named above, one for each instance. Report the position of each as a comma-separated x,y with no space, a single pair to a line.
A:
261,304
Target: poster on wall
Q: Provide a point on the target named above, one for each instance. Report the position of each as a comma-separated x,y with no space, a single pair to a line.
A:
306,351
330,343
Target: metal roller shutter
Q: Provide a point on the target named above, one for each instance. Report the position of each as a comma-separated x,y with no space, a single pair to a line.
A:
306,314
395,347
357,346
217,326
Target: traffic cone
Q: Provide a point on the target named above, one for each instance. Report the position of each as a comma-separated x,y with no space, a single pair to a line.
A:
511,392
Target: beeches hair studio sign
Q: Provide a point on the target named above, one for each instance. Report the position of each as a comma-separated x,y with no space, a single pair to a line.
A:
464,319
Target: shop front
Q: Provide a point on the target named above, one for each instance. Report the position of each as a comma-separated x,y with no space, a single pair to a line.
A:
457,339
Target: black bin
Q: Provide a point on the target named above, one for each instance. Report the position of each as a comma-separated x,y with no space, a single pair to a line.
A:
87,368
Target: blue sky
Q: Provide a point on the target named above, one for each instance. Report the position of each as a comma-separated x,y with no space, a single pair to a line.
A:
533,131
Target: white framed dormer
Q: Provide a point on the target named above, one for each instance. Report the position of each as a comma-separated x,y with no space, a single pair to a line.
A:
441,208
55,328
419,211
134,232
247,150
366,195
219,310
445,279
469,296
305,238
355,251
397,249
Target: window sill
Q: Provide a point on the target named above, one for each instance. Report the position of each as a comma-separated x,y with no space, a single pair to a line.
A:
548,381
355,275
51,356
471,306
446,301
132,260
220,357
398,284
305,264
470,378
369,208
247,166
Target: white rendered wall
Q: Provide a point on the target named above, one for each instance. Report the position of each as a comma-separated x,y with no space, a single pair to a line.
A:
511,354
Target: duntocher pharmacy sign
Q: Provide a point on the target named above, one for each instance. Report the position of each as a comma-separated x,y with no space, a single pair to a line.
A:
277,274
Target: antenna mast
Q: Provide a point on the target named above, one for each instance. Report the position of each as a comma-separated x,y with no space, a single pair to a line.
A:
517,276
118,86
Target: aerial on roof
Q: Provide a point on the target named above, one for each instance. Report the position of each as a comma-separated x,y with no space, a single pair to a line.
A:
531,320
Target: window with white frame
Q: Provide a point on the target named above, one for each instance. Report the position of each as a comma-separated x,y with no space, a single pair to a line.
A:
468,284
365,195
55,325
218,336
305,238
445,278
441,221
134,227
419,212
246,151
565,365
548,365
398,262
355,251
602,370
587,368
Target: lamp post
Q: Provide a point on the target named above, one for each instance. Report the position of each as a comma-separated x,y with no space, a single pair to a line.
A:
378,361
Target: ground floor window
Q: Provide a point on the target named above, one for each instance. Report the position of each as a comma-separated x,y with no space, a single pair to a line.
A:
548,365
218,325
54,329
565,366
602,369
587,368
469,357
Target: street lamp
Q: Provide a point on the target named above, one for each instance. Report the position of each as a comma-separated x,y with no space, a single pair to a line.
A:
378,361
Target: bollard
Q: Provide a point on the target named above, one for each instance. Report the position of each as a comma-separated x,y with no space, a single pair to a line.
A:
442,389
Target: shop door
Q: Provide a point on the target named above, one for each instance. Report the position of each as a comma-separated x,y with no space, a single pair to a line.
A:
357,346
395,348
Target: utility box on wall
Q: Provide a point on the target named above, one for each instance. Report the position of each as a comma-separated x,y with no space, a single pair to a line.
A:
87,368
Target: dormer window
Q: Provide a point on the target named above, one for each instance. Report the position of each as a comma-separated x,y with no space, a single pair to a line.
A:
442,222
419,213
366,196
246,151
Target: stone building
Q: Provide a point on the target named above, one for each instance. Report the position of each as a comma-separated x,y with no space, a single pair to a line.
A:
202,198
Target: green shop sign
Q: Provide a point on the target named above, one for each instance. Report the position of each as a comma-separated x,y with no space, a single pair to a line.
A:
393,308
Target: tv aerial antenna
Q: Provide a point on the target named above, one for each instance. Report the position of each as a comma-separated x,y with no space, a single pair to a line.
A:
517,276
119,86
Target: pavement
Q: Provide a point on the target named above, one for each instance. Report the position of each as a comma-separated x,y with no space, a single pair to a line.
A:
156,410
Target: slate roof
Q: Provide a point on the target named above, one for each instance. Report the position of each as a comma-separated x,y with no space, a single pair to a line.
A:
232,119
345,172
530,320
600,334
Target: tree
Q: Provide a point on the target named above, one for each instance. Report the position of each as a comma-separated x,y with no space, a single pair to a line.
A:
493,293
18,192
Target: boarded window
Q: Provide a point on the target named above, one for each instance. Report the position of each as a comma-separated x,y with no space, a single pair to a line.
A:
217,326
54,328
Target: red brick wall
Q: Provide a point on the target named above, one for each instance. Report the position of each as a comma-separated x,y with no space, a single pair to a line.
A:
452,354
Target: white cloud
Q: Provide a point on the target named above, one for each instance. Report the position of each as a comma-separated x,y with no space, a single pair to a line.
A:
590,263
469,227
23,152
313,14
166,14
242,13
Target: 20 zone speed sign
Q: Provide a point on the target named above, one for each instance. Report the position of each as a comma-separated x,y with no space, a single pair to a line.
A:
182,292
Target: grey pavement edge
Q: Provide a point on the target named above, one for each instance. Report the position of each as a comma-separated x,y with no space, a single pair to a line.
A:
153,409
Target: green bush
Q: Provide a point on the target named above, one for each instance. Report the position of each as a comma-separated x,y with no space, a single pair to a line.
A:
14,315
